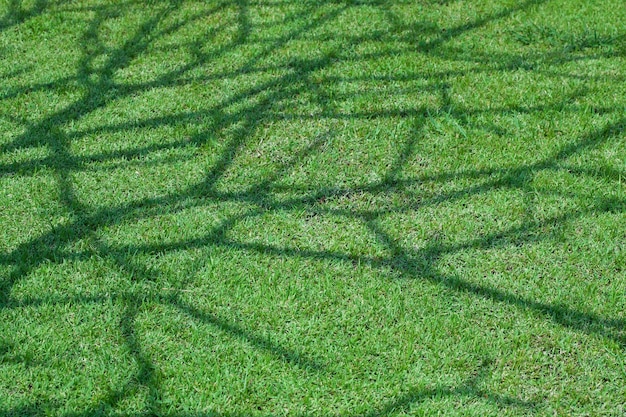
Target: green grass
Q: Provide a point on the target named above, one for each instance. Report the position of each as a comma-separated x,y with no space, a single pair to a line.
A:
312,208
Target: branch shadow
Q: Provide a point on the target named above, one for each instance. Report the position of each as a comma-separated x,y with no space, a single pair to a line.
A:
16,14
101,90
470,389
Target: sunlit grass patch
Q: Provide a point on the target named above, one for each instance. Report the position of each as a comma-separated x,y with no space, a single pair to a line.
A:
346,208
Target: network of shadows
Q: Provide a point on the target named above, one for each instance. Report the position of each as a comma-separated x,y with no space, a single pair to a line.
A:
101,89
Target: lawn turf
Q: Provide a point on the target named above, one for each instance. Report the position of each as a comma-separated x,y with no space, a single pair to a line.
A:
312,208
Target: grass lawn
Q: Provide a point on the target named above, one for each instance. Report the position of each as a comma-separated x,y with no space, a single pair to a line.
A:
312,208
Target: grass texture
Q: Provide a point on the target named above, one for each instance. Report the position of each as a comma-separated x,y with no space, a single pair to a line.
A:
312,208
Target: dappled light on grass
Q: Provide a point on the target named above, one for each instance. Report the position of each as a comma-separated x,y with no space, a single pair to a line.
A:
311,208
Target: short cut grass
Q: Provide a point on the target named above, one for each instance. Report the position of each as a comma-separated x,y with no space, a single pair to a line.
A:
312,208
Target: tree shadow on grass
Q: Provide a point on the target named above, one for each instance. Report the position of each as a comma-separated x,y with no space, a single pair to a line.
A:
259,106
16,13
411,398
